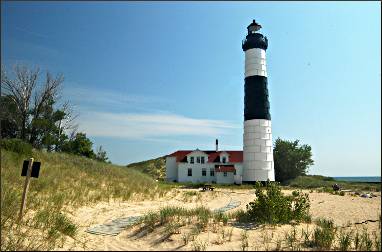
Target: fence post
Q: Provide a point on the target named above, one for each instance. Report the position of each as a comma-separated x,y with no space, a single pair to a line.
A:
26,187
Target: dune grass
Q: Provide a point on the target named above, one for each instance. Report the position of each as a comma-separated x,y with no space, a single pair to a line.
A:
174,218
156,167
65,182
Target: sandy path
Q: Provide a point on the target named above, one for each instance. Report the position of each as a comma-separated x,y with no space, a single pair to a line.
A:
342,209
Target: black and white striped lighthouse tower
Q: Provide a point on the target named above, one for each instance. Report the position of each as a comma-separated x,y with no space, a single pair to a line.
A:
257,147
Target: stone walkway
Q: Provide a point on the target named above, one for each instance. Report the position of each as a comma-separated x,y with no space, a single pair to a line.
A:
118,225
231,205
114,227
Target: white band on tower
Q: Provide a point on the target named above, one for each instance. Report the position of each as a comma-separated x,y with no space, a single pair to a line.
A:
255,62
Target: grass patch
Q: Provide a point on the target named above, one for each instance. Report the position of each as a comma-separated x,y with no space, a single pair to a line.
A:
156,167
16,145
65,180
244,244
174,218
324,234
344,240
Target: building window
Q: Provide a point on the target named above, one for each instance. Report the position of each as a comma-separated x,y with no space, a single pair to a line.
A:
212,173
204,172
234,172
202,160
223,160
225,174
191,160
189,172
198,160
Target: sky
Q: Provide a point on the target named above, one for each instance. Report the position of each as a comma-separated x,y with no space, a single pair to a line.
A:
150,78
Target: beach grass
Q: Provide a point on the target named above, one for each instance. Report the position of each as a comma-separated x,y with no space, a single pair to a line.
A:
65,182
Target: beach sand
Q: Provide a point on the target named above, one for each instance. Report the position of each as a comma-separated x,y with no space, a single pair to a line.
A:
343,210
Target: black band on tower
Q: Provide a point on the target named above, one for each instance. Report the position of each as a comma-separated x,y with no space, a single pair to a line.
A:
255,40
256,104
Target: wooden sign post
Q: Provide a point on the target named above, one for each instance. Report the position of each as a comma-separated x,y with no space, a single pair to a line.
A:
26,187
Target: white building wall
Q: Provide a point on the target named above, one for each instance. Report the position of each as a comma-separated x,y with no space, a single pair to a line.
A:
171,169
220,179
239,168
196,173
238,178
179,171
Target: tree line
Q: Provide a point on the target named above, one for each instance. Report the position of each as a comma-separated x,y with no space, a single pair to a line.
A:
32,111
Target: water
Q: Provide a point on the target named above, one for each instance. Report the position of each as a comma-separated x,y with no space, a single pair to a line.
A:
359,179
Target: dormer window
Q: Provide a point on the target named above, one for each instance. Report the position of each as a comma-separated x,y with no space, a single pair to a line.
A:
191,160
224,160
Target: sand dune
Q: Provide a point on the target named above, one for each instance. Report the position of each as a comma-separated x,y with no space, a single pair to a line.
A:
342,209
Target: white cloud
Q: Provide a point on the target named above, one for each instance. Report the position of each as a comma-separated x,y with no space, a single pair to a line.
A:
154,125
100,98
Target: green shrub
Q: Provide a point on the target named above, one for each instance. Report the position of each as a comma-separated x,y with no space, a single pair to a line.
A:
271,206
17,145
240,216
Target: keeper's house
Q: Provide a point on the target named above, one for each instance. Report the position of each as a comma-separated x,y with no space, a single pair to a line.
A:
197,166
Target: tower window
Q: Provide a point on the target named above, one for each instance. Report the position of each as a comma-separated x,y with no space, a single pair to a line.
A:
191,160
189,172
204,172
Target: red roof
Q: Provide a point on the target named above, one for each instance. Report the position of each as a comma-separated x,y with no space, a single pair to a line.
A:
224,168
213,156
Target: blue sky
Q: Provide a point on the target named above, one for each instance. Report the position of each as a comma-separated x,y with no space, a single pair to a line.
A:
150,78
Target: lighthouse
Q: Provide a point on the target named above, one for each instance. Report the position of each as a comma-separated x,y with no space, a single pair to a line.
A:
257,138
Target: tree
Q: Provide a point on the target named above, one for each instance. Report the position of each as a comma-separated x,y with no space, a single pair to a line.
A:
9,122
30,108
80,145
20,91
101,154
291,160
